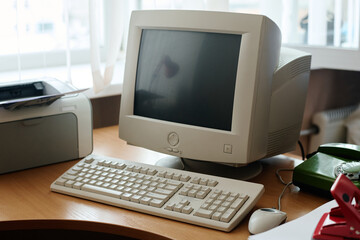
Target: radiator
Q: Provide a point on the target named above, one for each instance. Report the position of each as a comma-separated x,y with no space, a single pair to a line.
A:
331,128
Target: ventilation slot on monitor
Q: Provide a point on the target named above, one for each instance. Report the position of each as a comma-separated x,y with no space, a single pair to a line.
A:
281,141
301,66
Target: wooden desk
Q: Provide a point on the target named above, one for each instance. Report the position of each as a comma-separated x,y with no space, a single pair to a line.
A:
26,201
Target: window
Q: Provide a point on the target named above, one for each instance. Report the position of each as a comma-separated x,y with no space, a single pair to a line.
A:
38,25
333,23
37,33
328,29
41,37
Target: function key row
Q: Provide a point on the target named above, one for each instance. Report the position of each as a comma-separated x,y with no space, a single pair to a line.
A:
174,176
204,181
143,170
108,163
130,168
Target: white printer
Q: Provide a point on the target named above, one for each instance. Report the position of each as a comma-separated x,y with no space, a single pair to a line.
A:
42,121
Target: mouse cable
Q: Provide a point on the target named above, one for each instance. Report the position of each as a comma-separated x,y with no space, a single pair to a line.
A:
283,182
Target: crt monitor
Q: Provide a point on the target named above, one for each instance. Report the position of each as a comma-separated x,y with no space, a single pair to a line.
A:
211,86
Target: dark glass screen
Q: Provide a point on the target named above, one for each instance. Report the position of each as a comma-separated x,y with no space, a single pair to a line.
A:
187,77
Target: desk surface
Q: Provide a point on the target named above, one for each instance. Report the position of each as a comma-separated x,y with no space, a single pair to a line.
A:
26,201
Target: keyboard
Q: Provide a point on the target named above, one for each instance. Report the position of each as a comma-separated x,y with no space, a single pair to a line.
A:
204,200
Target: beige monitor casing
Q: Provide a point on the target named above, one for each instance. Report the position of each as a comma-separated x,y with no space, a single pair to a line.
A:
258,60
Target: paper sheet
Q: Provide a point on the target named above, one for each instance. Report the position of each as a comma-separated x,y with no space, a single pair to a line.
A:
298,229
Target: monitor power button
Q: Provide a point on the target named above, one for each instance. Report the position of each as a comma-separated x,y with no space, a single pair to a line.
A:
173,139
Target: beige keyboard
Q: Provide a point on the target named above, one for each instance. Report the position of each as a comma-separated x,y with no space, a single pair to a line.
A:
200,199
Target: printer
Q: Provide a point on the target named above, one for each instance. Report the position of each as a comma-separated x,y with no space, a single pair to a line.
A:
42,121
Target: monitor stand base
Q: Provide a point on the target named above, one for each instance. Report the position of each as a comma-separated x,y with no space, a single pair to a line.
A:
171,162
245,172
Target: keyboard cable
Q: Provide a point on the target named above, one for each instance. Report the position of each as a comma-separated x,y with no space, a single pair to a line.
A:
283,182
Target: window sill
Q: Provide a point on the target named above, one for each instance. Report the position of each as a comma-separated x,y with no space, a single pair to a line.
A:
331,57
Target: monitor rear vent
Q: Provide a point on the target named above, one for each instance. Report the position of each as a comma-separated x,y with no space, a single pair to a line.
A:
283,140
292,70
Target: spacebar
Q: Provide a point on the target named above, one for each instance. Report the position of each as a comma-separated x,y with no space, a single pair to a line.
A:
100,190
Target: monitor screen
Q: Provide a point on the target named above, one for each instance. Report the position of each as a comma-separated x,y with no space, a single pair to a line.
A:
187,77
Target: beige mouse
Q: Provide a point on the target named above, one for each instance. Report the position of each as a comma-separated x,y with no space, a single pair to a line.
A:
265,219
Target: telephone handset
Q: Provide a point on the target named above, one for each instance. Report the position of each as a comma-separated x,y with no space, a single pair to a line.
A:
321,169
341,150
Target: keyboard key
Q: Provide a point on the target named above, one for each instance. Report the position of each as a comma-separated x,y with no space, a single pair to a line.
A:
145,200
212,183
100,190
184,178
69,183
170,206
169,175
156,196
170,187
238,203
89,160
204,213
228,214
192,193
178,207
195,180
203,181
176,176
187,210
60,181
135,198
72,172
77,185
216,216
157,203
201,194
163,191
162,173
126,196
152,172
184,202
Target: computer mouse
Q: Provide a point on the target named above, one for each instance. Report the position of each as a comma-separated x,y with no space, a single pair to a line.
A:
264,219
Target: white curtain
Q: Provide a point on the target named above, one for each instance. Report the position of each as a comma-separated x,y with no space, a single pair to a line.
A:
117,20
116,10
37,58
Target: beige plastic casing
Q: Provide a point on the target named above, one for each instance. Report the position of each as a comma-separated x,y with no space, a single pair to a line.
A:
258,60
